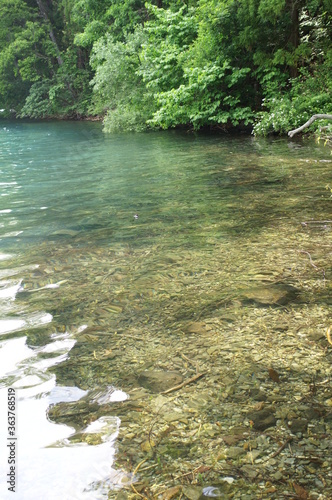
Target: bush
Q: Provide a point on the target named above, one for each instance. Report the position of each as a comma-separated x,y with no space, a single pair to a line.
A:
290,109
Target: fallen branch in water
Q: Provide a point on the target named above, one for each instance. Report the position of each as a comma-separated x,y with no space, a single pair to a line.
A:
291,133
310,259
282,447
313,264
306,222
132,486
136,492
198,470
189,361
328,335
186,382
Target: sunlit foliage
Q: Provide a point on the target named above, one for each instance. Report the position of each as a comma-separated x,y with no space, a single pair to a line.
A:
261,64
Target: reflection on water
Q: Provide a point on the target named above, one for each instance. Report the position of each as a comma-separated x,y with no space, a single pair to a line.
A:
105,235
49,466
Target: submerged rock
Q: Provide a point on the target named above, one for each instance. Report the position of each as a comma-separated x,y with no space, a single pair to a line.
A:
65,232
192,492
271,295
198,327
258,394
262,419
235,452
159,381
298,425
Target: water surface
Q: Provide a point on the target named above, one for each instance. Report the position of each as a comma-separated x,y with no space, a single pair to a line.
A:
103,234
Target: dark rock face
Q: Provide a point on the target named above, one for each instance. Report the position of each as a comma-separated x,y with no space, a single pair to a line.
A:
159,381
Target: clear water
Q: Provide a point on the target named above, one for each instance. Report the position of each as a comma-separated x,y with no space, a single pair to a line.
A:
100,232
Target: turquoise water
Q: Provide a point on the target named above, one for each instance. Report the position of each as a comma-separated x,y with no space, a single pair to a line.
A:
101,232
70,176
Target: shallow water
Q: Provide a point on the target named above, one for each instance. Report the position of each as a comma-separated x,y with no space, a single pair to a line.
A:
104,234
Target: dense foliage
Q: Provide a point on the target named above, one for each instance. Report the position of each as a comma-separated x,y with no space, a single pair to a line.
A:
261,64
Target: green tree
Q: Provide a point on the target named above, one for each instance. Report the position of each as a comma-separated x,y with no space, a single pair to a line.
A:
189,69
119,91
166,63
306,61
22,59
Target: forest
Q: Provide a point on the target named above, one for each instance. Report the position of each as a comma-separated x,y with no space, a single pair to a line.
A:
263,66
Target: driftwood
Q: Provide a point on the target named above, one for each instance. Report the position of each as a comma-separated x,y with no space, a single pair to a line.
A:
291,133
186,382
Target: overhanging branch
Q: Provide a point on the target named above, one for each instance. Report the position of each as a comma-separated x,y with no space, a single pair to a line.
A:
308,123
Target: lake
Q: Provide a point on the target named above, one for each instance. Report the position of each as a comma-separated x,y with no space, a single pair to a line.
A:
114,249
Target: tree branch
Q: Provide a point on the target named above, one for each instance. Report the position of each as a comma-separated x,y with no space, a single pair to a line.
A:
291,133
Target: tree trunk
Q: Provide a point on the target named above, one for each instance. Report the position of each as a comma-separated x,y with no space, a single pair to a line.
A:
43,13
291,133
294,38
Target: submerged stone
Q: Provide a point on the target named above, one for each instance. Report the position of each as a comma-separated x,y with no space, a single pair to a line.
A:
171,492
198,327
65,232
192,492
159,381
235,452
122,495
270,295
262,419
298,425
258,394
